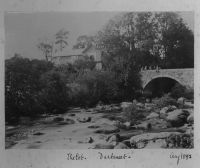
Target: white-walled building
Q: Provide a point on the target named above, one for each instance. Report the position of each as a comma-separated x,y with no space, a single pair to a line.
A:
71,55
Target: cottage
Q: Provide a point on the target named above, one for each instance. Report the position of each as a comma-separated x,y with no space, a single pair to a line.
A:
67,55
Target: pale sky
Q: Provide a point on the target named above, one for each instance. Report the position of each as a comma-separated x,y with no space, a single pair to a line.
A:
23,31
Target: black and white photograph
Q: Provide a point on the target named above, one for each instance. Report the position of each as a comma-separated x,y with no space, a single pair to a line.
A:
99,80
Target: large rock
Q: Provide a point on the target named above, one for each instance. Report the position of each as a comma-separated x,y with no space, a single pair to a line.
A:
149,106
165,110
163,113
107,129
127,125
87,140
140,141
90,140
152,115
103,146
143,126
189,104
189,110
71,114
114,139
69,121
177,118
121,145
141,105
158,123
119,124
58,119
84,119
181,101
125,104
190,118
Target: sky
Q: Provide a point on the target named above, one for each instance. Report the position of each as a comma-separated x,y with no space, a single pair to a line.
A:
23,31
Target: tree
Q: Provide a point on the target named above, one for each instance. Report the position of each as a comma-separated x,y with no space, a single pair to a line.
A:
151,38
84,41
46,48
85,63
176,40
22,87
61,38
94,86
120,52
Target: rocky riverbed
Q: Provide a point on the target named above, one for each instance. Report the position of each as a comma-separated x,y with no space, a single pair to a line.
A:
104,127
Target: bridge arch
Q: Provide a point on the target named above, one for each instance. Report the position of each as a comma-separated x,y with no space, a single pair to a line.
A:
184,76
161,76
163,79
160,85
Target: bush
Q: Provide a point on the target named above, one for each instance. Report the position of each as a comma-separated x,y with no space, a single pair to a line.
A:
22,87
92,87
180,141
181,91
133,113
54,94
165,101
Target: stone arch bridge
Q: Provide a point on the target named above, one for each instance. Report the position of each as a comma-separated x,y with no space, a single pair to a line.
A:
184,77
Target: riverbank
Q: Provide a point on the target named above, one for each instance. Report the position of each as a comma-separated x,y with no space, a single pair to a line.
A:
104,127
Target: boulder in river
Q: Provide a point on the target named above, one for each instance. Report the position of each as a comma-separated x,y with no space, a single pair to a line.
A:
114,139
69,121
143,126
127,125
177,117
107,129
58,119
165,110
152,115
84,119
181,101
125,104
103,146
90,140
140,141
121,145
141,105
72,114
190,118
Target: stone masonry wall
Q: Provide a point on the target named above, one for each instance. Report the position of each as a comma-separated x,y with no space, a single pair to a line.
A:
184,76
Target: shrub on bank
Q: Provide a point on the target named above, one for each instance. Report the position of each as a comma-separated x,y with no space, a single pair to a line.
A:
164,101
181,91
22,87
133,113
54,93
92,87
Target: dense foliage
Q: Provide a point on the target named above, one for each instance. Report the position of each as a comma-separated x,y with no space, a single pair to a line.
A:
165,100
181,91
148,38
22,87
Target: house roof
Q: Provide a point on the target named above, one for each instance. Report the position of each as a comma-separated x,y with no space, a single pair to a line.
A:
69,51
